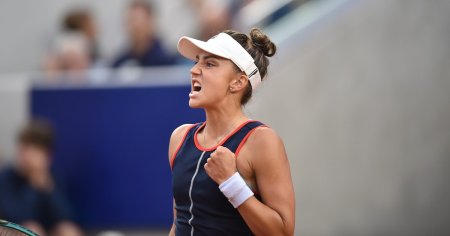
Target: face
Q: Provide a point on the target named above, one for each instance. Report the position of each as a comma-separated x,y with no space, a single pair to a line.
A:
89,28
139,24
75,60
211,77
32,158
213,18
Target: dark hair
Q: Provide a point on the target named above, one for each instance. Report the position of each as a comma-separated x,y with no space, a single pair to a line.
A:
145,5
260,47
38,133
75,20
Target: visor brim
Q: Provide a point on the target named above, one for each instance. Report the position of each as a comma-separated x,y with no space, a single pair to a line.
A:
191,48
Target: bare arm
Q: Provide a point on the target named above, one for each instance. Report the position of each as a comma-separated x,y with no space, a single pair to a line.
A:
172,229
175,141
275,214
67,228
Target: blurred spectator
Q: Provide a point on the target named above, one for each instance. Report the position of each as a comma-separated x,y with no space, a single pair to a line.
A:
29,195
75,49
70,55
214,16
81,21
145,48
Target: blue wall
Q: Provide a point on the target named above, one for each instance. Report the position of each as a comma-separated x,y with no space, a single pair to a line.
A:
111,150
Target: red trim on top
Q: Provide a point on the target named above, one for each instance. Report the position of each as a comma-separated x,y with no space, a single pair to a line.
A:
172,159
197,144
245,139
242,144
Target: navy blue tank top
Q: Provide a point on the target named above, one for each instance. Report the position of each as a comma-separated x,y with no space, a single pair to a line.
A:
201,208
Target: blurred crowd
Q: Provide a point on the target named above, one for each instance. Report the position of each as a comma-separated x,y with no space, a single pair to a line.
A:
76,48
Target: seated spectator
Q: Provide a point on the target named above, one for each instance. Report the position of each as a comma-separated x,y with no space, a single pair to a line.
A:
215,16
81,21
69,57
29,194
144,48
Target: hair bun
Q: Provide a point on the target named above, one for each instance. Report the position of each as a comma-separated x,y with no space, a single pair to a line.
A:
260,40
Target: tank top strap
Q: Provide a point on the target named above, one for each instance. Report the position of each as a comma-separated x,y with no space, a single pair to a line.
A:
233,141
237,140
187,137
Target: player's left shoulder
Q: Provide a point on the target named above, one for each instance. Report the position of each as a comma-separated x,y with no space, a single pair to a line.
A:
265,150
265,137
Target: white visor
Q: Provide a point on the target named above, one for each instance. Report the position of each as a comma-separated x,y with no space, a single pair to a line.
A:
222,45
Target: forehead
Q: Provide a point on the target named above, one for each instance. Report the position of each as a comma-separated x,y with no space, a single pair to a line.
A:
203,55
138,12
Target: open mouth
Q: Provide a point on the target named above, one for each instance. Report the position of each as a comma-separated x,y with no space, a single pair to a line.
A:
196,87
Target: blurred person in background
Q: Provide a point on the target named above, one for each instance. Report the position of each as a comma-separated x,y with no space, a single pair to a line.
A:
81,21
69,57
145,48
29,194
76,49
214,16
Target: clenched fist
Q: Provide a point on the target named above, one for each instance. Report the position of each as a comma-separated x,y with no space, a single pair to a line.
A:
221,165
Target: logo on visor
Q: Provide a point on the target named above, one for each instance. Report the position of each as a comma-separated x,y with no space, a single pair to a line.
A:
253,73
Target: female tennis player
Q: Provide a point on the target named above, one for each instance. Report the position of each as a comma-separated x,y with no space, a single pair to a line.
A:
231,175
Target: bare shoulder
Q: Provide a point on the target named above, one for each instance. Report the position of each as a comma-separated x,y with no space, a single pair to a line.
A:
265,146
180,131
264,137
176,137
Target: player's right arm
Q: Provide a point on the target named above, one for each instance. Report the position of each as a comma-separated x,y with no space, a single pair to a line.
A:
175,140
172,229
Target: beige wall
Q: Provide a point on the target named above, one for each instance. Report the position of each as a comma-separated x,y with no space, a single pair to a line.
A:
362,102
13,111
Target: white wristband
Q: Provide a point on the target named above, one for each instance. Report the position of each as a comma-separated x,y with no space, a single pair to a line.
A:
236,190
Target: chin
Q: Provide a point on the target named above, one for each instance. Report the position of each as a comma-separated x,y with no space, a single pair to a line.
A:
193,104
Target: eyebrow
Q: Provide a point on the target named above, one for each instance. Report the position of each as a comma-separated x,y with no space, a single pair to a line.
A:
209,56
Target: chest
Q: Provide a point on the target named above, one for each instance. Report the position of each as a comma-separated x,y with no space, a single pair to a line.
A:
189,174
190,182
190,178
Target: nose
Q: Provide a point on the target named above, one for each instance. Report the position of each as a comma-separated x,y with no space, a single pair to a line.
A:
195,70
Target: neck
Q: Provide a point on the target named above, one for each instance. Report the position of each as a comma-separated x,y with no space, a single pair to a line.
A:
220,122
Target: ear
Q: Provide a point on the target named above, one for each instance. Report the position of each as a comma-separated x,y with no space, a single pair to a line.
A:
239,83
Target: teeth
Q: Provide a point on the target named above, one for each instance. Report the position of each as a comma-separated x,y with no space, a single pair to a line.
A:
196,87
